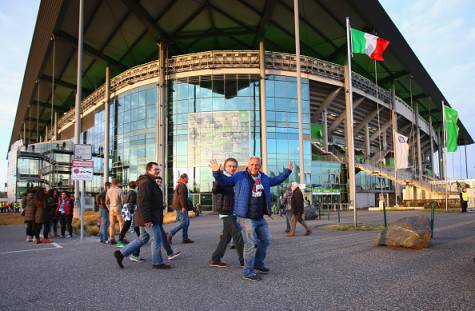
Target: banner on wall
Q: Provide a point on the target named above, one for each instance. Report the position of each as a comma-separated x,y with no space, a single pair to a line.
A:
218,135
402,151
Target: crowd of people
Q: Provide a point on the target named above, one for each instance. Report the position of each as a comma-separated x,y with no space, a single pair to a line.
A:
242,199
43,211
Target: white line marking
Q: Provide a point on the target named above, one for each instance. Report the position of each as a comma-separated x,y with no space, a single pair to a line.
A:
56,246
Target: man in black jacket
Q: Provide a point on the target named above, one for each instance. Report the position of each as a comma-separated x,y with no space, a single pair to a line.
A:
149,217
297,210
223,203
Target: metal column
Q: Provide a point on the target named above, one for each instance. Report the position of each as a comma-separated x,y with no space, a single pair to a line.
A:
350,139
441,154
394,126
262,95
77,110
55,126
299,90
106,125
325,128
418,140
161,154
431,147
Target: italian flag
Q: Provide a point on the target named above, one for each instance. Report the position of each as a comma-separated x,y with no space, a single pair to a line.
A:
365,43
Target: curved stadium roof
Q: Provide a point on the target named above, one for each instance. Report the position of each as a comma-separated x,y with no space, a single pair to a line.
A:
125,33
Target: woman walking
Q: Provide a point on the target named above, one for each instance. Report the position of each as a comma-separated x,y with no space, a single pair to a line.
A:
64,210
29,214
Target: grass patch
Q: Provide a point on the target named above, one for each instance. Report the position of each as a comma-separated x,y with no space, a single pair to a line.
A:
11,219
372,226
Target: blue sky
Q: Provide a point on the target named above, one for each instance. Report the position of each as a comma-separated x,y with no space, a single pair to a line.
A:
440,32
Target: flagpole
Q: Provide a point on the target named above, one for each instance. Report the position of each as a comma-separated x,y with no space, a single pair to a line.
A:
445,159
349,127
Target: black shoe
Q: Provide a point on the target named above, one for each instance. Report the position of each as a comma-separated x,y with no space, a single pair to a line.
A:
119,257
253,278
232,247
262,270
162,266
188,241
241,264
287,231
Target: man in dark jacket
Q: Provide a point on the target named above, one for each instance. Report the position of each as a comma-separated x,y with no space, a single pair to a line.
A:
181,205
251,202
104,211
223,203
149,217
297,210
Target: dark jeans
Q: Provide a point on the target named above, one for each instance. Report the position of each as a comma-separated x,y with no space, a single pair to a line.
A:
230,230
66,220
29,228
137,232
124,230
54,226
46,229
37,230
464,206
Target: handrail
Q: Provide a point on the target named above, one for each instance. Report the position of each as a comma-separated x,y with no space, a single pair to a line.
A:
232,59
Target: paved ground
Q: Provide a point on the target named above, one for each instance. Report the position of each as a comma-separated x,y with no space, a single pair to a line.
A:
325,271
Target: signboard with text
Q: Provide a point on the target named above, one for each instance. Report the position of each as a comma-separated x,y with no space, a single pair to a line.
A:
82,170
82,152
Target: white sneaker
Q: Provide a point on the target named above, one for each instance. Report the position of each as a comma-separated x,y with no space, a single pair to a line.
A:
174,255
29,239
136,259
69,236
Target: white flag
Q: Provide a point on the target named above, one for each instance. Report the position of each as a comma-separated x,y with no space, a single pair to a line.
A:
402,151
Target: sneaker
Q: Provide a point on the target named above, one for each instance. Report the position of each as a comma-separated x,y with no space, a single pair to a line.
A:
188,241
37,241
102,241
119,257
218,264
69,236
112,242
162,266
174,255
29,239
169,238
47,241
262,270
308,232
136,259
120,244
253,277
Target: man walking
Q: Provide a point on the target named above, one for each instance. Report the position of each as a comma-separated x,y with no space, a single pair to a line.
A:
223,203
252,201
104,212
114,201
181,206
149,217
297,210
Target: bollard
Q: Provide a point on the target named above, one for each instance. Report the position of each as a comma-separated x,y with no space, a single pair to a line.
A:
385,216
432,219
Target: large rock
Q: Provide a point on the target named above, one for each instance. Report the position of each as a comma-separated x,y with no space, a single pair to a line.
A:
411,232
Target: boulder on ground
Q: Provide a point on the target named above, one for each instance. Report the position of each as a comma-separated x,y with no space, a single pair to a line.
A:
410,232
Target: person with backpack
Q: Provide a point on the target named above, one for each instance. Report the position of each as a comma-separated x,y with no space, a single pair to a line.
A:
128,211
223,203
181,204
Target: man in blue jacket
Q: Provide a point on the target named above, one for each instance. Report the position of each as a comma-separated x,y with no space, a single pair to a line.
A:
252,201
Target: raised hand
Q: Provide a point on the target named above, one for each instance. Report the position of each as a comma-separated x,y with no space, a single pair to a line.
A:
290,166
215,166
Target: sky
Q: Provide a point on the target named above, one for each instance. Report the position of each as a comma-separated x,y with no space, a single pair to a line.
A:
440,32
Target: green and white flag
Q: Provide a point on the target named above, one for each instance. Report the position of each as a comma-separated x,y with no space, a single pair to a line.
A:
451,128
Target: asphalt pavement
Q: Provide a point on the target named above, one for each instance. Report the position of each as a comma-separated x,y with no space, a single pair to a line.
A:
324,271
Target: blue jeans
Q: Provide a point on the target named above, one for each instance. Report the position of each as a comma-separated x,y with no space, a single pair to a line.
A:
287,220
183,222
256,237
104,224
155,233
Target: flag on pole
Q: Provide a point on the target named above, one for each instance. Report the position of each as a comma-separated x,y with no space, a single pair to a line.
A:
402,151
451,128
365,43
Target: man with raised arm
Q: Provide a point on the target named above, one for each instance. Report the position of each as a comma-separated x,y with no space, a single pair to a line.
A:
252,201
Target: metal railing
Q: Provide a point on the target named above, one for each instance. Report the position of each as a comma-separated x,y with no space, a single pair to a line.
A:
232,59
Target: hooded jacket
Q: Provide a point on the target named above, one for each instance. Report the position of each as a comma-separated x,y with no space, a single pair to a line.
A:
149,202
180,196
242,182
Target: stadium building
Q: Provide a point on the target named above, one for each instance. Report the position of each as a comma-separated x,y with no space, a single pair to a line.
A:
182,82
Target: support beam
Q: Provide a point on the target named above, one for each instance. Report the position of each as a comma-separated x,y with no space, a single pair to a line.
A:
299,89
365,121
263,110
431,147
325,129
341,117
328,100
416,97
395,131
161,137
56,107
266,16
62,83
40,121
418,141
393,77
106,125
367,145
90,50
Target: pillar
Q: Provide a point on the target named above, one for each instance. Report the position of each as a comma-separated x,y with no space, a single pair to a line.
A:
418,141
262,94
431,146
367,140
325,128
395,129
161,150
350,139
106,125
